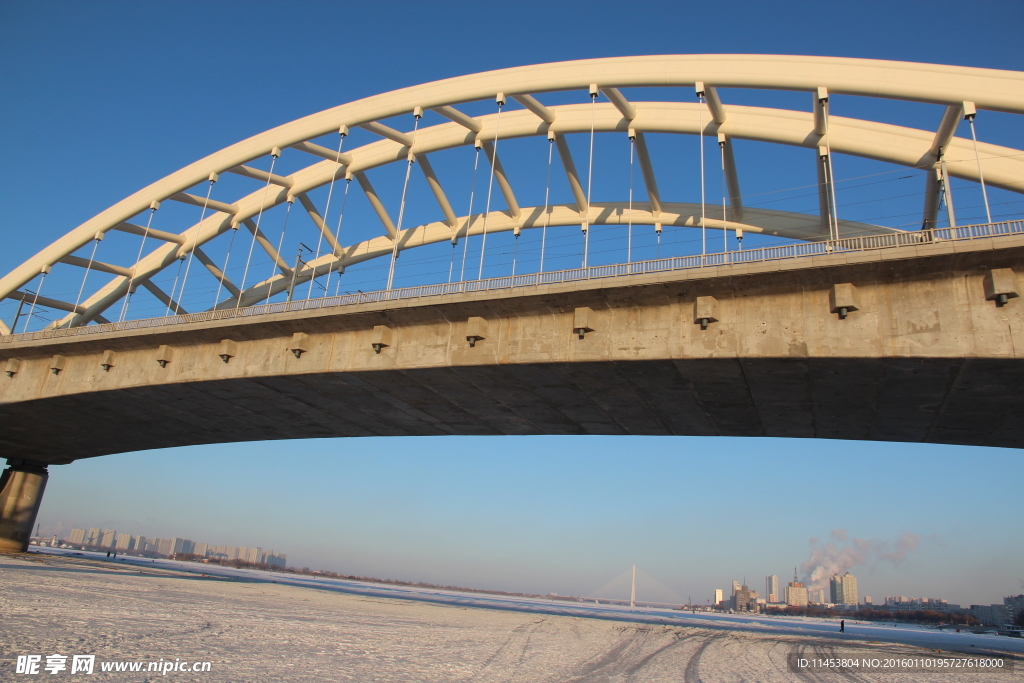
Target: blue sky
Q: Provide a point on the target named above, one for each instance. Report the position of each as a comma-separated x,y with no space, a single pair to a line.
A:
101,99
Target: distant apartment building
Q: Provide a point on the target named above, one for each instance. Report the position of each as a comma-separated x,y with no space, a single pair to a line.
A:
844,589
201,549
717,600
816,596
999,615
93,536
108,539
138,543
744,599
796,594
124,542
77,537
771,584
735,587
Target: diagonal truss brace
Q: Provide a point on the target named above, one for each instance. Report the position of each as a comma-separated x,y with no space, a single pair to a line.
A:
435,186
377,204
215,271
164,299
499,175
643,155
97,265
320,223
570,171
732,179
152,232
282,265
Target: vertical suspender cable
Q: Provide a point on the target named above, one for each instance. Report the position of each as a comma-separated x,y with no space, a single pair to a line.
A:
337,237
547,199
274,153
725,219
629,232
32,308
590,177
977,156
343,131
469,214
81,288
170,300
227,259
280,245
703,227
490,185
131,280
401,207
947,192
195,241
830,173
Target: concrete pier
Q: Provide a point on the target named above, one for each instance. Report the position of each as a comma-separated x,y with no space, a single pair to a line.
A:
21,492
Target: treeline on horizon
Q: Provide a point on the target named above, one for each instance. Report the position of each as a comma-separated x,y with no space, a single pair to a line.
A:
923,616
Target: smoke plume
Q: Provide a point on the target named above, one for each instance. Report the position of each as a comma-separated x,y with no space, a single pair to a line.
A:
841,553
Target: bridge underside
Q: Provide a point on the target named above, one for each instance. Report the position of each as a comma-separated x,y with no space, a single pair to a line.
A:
956,401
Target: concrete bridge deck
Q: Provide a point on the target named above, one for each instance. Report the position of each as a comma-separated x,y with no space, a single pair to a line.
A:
924,357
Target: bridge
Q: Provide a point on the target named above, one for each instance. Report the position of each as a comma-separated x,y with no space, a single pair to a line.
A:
818,326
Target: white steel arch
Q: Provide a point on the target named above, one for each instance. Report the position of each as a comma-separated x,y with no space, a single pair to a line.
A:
959,88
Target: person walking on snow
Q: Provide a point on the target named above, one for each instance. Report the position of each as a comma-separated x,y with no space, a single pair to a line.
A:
842,625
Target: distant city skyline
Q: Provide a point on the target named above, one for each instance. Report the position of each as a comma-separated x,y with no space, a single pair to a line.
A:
110,539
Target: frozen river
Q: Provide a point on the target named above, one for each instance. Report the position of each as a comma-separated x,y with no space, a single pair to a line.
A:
262,626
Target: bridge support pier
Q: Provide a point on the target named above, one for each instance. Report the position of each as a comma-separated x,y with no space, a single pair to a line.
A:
21,492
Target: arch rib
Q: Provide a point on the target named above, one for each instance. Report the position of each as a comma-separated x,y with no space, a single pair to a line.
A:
1004,167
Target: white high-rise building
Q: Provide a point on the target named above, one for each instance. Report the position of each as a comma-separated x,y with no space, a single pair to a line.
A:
93,536
772,587
796,594
844,589
124,542
717,600
109,538
77,537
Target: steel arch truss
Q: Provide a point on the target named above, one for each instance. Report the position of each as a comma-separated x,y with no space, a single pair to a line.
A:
962,90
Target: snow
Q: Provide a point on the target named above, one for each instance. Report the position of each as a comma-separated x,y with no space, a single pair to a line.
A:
259,626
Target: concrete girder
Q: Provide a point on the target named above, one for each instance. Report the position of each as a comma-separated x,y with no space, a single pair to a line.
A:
1004,167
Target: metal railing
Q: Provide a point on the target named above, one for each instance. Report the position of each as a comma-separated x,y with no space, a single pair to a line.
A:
675,263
